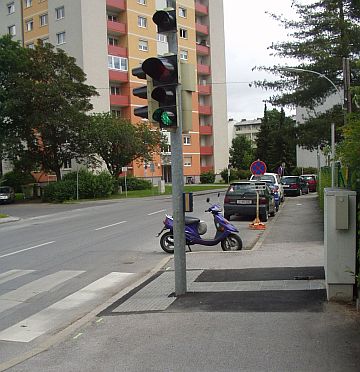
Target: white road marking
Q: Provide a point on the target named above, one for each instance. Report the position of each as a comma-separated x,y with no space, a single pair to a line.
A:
113,224
27,291
12,274
26,249
162,210
63,311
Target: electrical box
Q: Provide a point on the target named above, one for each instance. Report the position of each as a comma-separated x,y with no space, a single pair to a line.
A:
342,212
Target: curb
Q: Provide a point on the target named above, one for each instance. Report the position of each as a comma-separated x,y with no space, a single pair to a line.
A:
9,219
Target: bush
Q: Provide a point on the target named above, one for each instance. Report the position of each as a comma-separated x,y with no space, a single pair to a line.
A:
60,191
244,174
134,183
208,177
224,175
16,179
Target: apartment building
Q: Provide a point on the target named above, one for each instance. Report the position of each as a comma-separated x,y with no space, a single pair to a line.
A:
247,128
109,38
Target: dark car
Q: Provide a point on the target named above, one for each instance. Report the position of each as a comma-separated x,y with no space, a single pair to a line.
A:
240,199
7,194
311,179
294,185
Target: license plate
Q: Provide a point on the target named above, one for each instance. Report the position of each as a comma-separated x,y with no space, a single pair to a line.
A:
3,197
244,202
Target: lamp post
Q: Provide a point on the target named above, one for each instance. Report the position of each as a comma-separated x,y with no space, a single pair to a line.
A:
332,124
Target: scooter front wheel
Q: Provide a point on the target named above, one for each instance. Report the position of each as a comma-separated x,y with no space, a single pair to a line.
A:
167,242
232,242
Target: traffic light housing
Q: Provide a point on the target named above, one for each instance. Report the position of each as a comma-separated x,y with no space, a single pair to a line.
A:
165,20
144,92
164,74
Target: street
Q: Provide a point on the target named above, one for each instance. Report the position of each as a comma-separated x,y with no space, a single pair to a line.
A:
75,257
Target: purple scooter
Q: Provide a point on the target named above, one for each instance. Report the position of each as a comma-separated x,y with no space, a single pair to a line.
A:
225,232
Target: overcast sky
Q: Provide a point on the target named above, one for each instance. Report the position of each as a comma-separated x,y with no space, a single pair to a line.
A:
248,33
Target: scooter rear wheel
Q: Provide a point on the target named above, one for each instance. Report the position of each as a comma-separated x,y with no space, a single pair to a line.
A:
167,242
232,243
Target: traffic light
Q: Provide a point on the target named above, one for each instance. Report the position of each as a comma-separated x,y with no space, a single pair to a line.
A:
144,92
164,74
165,20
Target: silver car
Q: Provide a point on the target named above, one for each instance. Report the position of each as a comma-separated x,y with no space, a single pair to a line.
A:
7,194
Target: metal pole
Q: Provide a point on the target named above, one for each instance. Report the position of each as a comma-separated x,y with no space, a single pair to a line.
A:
77,183
332,155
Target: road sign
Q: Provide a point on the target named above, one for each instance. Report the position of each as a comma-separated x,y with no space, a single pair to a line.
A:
258,168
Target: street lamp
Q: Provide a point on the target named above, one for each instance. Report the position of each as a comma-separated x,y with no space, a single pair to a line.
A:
332,124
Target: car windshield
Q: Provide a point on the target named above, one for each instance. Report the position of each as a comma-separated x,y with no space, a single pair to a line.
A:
309,178
4,189
288,180
267,177
242,189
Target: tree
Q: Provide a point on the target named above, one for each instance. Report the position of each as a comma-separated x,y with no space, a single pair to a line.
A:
241,153
263,137
324,33
118,142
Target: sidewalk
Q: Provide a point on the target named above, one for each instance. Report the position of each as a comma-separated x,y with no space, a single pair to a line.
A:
263,309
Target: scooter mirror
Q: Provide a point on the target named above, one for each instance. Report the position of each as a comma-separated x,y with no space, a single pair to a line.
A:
207,200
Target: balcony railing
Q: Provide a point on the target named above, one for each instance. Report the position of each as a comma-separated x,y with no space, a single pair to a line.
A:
204,90
203,69
116,27
206,150
121,76
202,29
118,51
204,110
205,130
203,50
116,4
201,9
119,100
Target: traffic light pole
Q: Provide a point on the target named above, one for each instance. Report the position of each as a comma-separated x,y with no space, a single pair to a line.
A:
177,176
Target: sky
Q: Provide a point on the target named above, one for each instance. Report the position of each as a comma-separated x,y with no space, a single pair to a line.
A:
248,33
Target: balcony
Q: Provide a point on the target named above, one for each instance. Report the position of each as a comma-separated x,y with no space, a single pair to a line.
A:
120,76
202,29
202,50
204,90
116,4
204,110
206,130
206,169
116,27
119,100
117,51
201,9
203,69
206,150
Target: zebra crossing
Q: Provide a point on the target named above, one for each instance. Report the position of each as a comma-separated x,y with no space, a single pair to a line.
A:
58,314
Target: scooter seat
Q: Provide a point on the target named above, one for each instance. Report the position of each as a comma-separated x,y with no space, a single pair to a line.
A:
190,220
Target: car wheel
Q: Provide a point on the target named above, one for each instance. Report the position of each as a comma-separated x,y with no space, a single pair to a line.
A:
265,216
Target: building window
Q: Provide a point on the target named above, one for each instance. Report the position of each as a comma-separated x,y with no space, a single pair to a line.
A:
30,45
142,22
141,2
187,140
182,12
183,33
29,25
162,38
11,8
115,90
67,164
43,20
28,3
12,30
184,55
45,40
117,63
187,161
60,13
112,18
60,38
113,41
143,45
116,113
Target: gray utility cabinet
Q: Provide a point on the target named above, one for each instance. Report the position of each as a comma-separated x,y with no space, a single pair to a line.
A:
340,243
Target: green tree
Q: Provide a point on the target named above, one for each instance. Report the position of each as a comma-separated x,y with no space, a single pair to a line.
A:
324,32
241,153
263,138
118,142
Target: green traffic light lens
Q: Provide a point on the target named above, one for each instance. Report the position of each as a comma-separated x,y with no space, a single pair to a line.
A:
157,114
166,119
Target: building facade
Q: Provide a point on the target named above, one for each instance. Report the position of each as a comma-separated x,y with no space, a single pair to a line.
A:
108,38
247,128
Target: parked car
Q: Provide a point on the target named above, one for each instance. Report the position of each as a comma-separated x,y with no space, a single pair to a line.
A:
7,194
311,179
275,179
294,185
240,199
275,191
